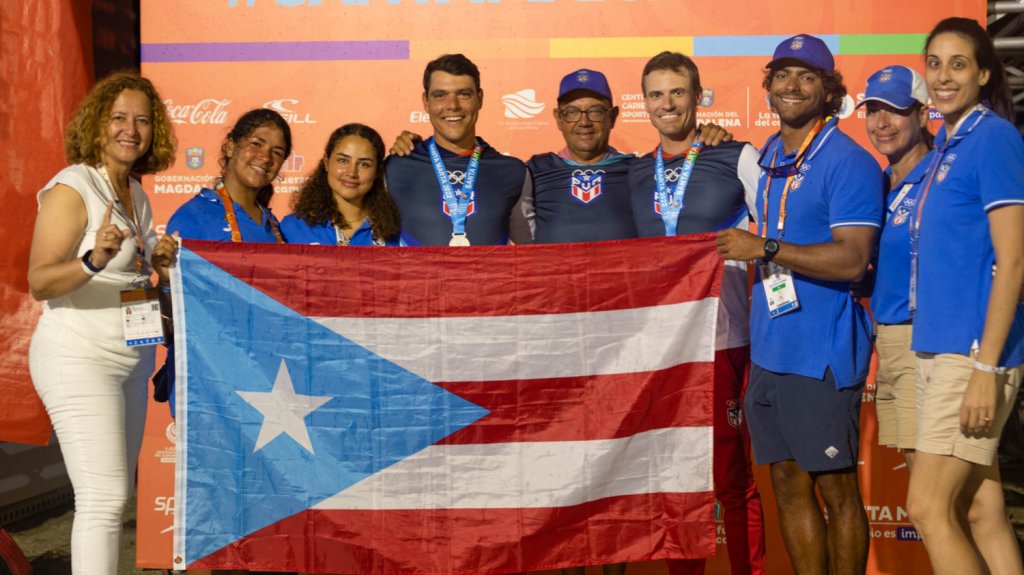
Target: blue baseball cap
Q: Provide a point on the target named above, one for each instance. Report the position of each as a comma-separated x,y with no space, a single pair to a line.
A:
809,50
584,79
898,86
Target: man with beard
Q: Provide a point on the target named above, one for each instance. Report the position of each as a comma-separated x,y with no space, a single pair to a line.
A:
819,206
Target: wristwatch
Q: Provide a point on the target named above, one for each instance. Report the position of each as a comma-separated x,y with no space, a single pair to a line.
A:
771,247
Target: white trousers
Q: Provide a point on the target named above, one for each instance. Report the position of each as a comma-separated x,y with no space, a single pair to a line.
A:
97,403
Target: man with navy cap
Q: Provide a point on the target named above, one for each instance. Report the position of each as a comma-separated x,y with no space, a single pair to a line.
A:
581,193
819,206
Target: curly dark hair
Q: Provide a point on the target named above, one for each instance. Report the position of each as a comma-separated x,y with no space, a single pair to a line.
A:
831,80
315,205
84,134
997,91
248,123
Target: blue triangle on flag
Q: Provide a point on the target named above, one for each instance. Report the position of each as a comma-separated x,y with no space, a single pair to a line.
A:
236,339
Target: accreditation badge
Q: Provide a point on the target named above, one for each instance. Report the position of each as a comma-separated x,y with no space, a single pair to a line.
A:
779,290
140,315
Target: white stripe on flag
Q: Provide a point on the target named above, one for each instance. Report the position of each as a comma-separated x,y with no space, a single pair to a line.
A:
500,348
542,474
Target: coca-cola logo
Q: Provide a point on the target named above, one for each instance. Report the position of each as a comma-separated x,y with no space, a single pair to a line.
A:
205,111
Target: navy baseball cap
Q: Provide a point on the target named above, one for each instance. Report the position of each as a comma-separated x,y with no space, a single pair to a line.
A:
898,86
583,79
809,50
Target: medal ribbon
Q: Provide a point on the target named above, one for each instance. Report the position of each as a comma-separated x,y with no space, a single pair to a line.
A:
458,203
672,199
789,181
232,219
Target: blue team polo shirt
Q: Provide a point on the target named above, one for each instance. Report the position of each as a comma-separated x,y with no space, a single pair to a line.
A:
890,301
840,184
202,218
981,168
297,231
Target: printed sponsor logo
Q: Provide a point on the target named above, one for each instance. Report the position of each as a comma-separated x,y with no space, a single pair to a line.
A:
847,108
287,108
734,413
907,534
207,111
522,105
707,98
194,157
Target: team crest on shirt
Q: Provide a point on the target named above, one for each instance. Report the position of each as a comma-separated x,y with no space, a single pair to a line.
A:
586,184
798,180
947,164
672,176
734,413
194,157
900,216
456,177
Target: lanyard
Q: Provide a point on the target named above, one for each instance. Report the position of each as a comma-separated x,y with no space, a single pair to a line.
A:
232,219
672,200
457,202
915,224
133,222
781,227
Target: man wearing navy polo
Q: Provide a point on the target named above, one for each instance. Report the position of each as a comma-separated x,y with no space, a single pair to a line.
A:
454,189
819,206
581,193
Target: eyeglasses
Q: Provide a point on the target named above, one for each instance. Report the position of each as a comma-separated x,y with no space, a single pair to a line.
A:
574,114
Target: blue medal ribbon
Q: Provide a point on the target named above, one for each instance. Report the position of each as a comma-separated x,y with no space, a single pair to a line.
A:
672,199
457,202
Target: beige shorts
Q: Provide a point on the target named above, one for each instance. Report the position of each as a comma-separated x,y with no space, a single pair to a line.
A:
941,383
895,391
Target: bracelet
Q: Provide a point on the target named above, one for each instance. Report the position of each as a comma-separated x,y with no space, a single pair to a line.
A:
989,368
88,266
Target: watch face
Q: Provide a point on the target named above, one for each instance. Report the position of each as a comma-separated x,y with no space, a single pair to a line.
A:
771,246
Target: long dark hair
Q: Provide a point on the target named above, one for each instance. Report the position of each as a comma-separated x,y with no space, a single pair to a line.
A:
248,123
996,92
314,204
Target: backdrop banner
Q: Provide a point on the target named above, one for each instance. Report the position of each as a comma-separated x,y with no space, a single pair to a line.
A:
324,63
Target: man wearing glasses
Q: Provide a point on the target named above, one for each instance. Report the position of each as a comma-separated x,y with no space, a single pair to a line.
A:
453,189
686,187
580,194
819,205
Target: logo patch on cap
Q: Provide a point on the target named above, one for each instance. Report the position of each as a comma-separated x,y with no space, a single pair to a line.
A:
582,77
886,75
797,43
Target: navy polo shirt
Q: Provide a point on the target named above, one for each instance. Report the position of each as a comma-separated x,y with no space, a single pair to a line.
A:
575,202
414,186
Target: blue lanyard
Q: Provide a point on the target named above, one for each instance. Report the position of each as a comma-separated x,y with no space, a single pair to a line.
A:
457,202
672,200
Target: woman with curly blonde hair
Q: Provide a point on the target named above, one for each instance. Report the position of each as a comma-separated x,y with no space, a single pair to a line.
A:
93,237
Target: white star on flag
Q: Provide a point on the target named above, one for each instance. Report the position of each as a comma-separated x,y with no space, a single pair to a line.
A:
283,410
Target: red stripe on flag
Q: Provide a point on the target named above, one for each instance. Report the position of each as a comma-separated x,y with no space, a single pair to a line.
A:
628,528
586,408
488,281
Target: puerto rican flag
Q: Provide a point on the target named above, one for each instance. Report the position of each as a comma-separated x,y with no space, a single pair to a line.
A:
438,410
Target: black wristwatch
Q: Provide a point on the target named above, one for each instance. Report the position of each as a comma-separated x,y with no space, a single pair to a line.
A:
771,247
89,267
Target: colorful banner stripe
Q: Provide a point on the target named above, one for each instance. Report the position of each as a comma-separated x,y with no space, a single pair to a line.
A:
514,48
276,51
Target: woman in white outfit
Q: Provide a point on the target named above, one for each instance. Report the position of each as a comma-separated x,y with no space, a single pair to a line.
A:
92,238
